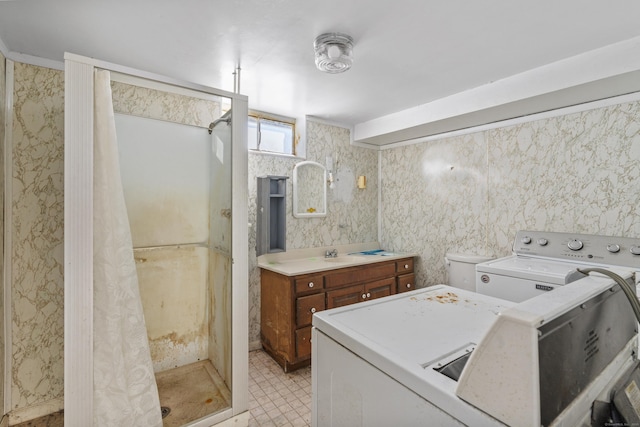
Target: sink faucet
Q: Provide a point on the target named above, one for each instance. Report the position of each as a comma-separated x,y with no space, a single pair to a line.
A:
333,253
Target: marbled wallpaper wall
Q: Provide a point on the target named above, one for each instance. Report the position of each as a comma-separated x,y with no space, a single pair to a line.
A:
351,213
161,105
470,194
37,215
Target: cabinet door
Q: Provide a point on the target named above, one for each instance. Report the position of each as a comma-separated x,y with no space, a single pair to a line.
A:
306,306
303,342
380,288
406,282
344,296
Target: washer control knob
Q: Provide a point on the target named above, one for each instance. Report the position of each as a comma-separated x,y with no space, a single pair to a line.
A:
613,248
526,240
575,245
542,241
635,249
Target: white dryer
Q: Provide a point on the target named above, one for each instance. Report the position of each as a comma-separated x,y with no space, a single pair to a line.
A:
543,261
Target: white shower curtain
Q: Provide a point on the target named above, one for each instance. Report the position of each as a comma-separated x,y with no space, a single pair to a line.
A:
125,390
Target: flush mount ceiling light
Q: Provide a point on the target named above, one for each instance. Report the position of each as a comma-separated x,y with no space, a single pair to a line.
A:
334,52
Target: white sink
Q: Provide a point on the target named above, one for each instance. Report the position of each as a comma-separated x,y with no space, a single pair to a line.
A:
344,258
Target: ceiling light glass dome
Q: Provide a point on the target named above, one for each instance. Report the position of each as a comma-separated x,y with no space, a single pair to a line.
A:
334,52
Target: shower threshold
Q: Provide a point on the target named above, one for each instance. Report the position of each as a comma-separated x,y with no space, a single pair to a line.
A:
192,391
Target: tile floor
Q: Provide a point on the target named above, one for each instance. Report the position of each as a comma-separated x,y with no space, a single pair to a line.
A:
277,399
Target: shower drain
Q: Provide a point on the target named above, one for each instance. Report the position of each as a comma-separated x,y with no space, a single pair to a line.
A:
165,411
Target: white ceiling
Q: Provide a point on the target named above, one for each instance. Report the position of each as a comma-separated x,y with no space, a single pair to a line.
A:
406,52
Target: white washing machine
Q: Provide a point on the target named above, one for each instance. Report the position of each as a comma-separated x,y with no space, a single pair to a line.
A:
443,356
542,261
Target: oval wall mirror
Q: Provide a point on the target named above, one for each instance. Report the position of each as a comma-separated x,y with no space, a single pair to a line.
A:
309,190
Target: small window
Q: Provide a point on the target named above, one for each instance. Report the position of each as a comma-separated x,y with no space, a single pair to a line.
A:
271,134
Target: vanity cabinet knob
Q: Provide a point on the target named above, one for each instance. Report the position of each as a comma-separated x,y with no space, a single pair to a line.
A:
313,309
364,296
311,284
406,266
368,295
408,285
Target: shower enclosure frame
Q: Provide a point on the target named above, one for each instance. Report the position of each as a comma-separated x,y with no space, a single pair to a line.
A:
78,242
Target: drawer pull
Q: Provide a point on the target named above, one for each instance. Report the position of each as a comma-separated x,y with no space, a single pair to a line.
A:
408,285
406,266
311,284
368,294
364,296
313,309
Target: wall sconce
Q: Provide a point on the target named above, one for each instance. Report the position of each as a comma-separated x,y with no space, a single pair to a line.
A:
330,181
362,182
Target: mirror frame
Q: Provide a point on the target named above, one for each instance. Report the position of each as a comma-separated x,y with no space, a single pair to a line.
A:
296,185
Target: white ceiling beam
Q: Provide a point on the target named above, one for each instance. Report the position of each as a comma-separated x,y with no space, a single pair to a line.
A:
601,73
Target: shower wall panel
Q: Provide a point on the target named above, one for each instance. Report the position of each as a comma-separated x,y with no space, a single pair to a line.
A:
220,229
220,255
3,99
172,284
166,170
220,315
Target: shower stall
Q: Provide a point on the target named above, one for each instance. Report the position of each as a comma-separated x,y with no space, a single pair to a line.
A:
183,168
176,181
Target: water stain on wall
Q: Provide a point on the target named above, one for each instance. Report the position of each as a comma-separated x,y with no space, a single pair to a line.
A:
173,282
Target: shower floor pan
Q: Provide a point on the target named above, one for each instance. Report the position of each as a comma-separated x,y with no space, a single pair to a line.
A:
191,392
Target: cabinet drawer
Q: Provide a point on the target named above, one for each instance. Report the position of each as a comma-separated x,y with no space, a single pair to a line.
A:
404,265
344,296
360,274
406,282
309,284
306,306
303,342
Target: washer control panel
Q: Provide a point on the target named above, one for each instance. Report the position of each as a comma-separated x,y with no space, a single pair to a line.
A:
588,248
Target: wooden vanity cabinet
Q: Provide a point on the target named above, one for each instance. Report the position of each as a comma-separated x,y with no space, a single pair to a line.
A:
289,302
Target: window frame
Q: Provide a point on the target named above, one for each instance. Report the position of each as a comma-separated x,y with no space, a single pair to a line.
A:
258,116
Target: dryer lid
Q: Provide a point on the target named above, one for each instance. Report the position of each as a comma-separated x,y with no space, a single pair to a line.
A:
553,272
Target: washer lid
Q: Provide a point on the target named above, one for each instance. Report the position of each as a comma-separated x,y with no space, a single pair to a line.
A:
402,335
553,272
419,326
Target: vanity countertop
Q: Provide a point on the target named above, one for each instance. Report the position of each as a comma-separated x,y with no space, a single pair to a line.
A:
312,260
